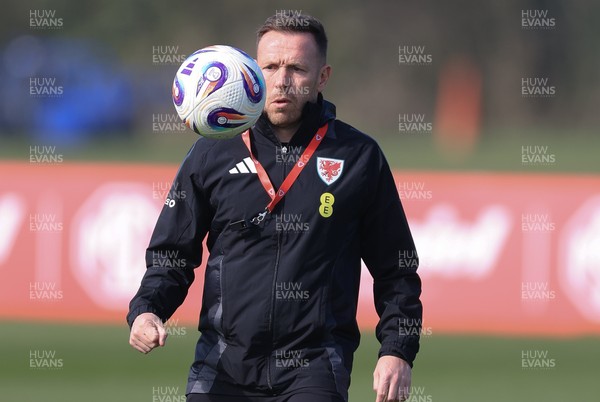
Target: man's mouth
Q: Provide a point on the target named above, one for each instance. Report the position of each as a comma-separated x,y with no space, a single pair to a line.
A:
281,101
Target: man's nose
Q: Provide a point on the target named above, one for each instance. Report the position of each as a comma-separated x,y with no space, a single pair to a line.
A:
282,78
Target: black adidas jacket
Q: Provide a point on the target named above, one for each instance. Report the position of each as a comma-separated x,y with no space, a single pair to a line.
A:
279,302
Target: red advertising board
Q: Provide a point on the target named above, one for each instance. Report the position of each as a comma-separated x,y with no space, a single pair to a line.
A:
500,253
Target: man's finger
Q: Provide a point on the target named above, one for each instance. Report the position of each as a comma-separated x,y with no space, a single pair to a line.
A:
403,393
382,390
393,394
380,397
404,386
146,335
142,348
150,332
375,380
162,334
139,346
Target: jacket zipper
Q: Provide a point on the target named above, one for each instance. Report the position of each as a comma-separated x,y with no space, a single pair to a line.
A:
273,287
272,312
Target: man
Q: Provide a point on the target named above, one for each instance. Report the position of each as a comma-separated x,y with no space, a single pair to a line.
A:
278,317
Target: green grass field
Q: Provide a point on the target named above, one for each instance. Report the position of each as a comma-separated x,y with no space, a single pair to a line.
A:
498,150
99,365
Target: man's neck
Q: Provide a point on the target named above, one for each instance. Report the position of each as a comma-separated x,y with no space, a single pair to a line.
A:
285,134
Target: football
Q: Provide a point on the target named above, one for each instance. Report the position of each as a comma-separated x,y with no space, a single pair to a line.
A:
219,91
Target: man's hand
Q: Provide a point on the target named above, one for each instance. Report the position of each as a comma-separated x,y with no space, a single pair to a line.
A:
147,332
391,379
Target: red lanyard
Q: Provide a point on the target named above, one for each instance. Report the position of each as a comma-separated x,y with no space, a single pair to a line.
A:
276,196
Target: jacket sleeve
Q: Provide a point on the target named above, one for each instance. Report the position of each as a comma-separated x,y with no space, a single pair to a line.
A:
176,245
388,250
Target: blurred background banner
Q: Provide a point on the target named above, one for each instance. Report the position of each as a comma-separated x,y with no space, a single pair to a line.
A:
509,252
504,253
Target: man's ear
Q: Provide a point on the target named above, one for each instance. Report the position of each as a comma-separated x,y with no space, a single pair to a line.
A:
324,75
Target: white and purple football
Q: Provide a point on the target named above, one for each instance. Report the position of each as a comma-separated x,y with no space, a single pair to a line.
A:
219,91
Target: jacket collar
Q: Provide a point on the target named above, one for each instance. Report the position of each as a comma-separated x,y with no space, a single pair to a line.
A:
314,115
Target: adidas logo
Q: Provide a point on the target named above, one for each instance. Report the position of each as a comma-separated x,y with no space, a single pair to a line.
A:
245,166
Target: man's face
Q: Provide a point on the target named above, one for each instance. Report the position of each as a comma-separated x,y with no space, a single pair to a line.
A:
294,73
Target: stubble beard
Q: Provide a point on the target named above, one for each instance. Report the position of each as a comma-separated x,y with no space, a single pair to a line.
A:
284,117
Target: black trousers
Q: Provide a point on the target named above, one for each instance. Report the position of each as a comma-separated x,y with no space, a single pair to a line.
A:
297,397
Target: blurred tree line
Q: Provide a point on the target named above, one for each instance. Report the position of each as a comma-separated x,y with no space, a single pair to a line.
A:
369,85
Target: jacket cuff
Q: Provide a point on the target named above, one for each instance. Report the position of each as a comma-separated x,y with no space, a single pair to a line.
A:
406,349
132,315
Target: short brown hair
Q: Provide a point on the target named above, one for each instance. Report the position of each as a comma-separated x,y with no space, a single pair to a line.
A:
280,22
